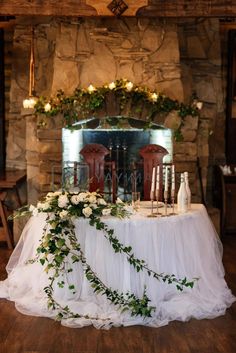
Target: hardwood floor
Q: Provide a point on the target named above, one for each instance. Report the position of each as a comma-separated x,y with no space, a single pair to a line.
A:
26,334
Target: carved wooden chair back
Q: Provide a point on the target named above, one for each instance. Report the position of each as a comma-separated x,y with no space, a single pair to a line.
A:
94,155
152,155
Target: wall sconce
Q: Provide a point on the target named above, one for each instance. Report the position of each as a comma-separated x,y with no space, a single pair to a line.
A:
30,102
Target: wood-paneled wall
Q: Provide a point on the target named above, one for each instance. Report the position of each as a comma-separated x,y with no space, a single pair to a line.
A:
155,8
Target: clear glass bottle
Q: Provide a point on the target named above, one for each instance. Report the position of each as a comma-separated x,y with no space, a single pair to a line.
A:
187,189
182,197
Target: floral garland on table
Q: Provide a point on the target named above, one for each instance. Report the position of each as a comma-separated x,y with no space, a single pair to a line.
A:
84,103
59,248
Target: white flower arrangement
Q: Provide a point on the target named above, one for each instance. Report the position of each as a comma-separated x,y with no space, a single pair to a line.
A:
84,204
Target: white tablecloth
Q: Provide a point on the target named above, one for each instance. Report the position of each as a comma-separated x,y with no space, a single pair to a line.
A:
185,245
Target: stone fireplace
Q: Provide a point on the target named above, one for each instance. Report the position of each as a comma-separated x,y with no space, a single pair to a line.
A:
79,52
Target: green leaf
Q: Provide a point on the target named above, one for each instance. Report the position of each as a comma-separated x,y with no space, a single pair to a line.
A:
42,261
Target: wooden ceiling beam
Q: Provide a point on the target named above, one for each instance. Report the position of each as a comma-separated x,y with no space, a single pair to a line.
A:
155,8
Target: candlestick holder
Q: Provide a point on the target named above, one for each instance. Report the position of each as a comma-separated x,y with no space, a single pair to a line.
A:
173,203
152,198
165,204
157,198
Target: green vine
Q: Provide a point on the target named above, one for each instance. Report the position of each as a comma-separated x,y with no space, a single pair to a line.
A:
52,243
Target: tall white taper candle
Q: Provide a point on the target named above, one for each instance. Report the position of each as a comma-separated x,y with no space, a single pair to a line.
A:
173,177
153,180
166,179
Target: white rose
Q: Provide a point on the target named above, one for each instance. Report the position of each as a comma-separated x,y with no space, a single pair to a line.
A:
91,89
101,202
62,201
106,211
75,199
93,206
112,85
87,211
199,105
43,205
50,195
92,199
46,206
129,85
154,97
63,214
82,196
47,107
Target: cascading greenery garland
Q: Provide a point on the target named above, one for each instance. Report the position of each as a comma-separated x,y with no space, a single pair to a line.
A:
59,248
85,103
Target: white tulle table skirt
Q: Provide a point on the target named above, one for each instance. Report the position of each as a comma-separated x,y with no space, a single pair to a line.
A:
185,245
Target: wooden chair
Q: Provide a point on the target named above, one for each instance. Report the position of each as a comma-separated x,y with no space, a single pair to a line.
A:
5,232
94,155
152,156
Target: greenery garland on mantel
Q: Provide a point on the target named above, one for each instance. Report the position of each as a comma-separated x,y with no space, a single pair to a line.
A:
124,97
59,248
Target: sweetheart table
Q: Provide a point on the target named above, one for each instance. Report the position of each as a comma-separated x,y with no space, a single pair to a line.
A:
185,245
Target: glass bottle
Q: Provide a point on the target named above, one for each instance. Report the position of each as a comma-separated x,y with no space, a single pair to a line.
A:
182,197
187,189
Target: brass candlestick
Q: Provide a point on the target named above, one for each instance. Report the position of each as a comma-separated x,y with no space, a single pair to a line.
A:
165,201
157,198
173,202
152,199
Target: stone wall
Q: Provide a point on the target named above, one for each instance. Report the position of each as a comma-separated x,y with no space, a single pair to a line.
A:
145,51
200,54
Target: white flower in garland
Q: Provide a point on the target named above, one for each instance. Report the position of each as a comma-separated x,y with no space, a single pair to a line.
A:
199,105
82,196
92,199
63,201
75,199
91,89
106,211
63,214
43,206
154,97
101,201
129,85
93,206
112,85
47,107
87,211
